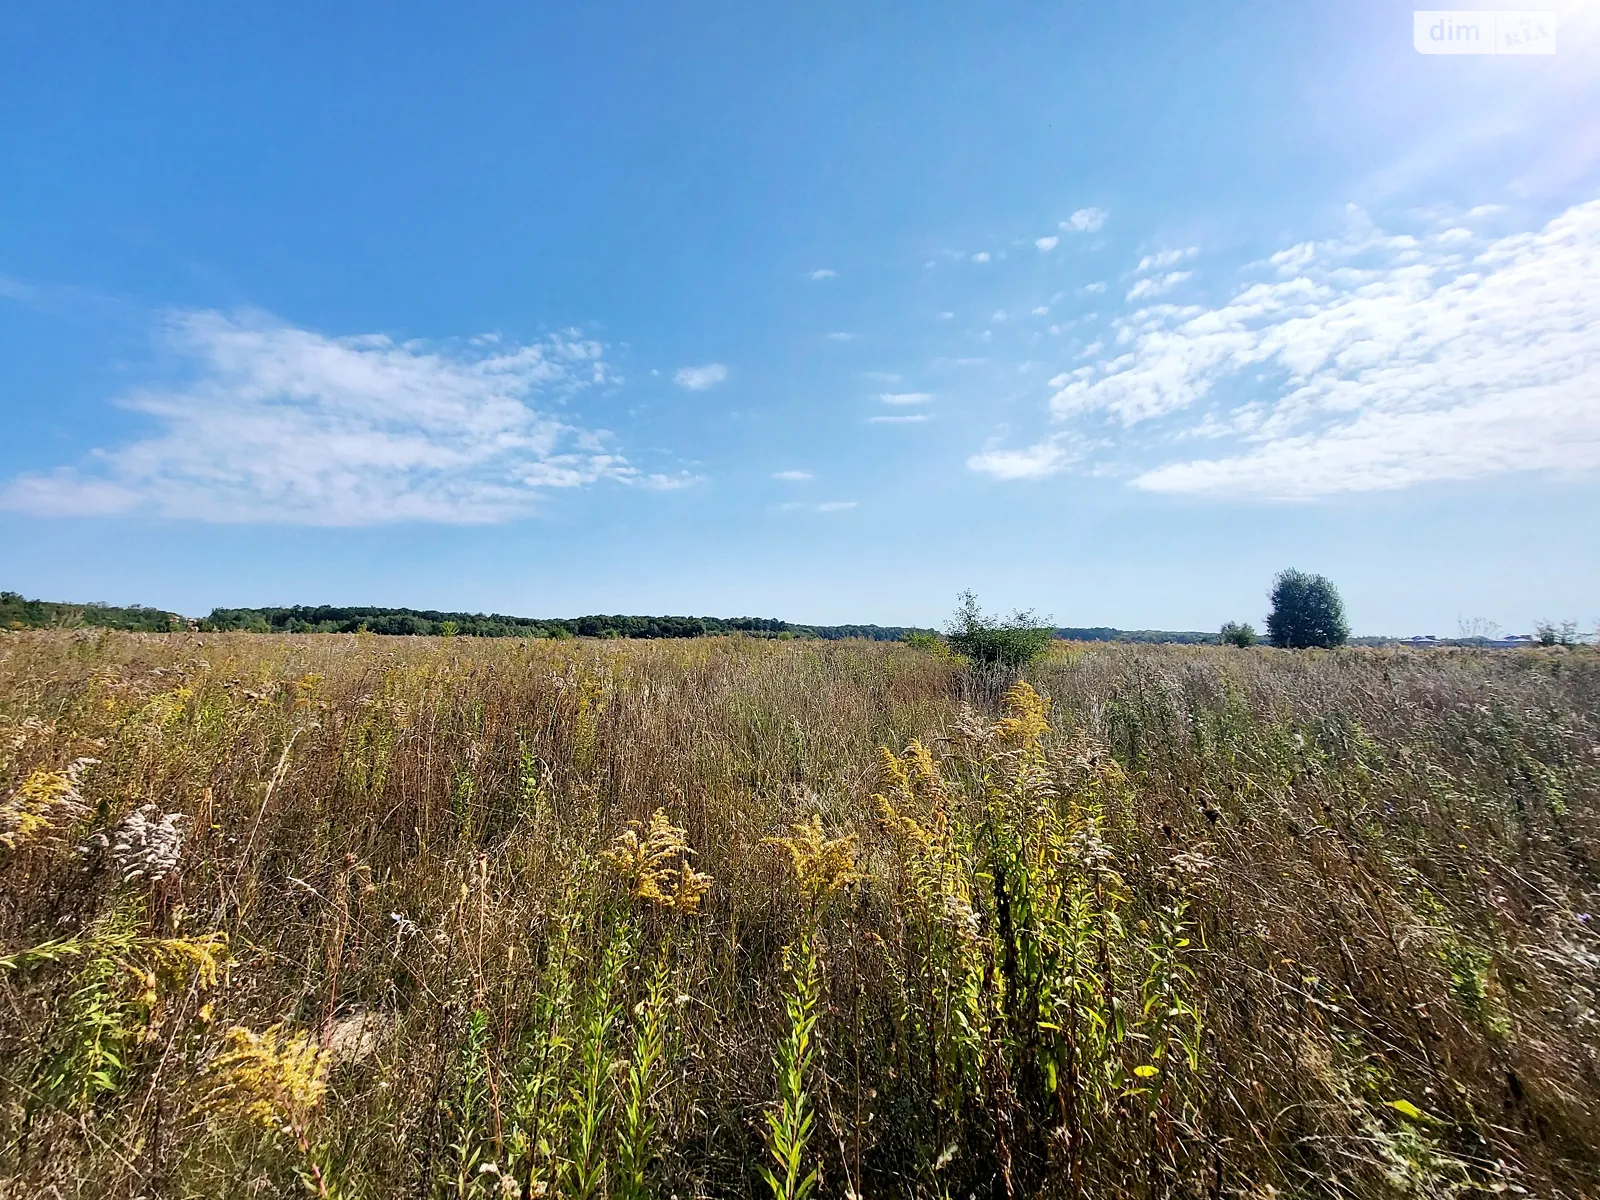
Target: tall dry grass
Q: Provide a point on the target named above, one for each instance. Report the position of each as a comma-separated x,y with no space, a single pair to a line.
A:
359,916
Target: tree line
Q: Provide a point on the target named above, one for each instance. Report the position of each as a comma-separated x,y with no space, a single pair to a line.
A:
1306,612
325,618
16,612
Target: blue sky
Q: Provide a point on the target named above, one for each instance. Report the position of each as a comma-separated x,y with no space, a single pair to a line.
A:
823,312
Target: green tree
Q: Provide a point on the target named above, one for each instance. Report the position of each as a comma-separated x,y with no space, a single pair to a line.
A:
1014,641
1306,611
1550,633
1238,633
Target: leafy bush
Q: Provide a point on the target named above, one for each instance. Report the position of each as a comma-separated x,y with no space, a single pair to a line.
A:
929,643
1238,633
1014,641
1306,612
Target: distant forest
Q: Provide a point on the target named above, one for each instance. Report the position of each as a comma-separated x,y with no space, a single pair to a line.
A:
327,619
18,613
1104,633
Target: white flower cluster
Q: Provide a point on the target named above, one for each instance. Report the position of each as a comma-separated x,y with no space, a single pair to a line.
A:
147,843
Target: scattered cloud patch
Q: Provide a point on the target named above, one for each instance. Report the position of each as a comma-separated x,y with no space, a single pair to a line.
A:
827,506
982,256
1086,220
1093,289
824,273
905,397
698,379
274,424
1165,258
840,335
1042,310
670,483
793,476
1156,285
1032,462
1047,244
1370,362
901,419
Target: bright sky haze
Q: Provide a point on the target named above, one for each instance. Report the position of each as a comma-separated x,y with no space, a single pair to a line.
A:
822,312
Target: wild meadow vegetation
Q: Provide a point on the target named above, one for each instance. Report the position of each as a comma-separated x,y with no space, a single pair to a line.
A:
356,916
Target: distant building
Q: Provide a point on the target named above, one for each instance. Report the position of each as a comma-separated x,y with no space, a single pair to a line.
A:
1424,641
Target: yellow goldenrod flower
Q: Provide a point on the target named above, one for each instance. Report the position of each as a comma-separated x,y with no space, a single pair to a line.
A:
44,801
689,887
821,865
654,863
1027,717
273,1078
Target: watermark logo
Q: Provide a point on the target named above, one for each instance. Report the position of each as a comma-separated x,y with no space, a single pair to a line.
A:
1483,31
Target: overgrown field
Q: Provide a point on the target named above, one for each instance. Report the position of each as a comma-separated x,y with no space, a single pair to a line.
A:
374,917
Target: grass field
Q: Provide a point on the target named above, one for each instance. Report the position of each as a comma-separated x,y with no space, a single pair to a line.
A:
396,917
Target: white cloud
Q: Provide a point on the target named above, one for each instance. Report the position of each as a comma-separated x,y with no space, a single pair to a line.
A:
1042,310
840,335
947,316
670,483
1382,451
824,273
982,256
827,506
1047,244
277,424
1086,220
1166,258
1000,315
1372,362
698,379
905,419
1155,285
905,397
1033,462
1093,289
793,476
